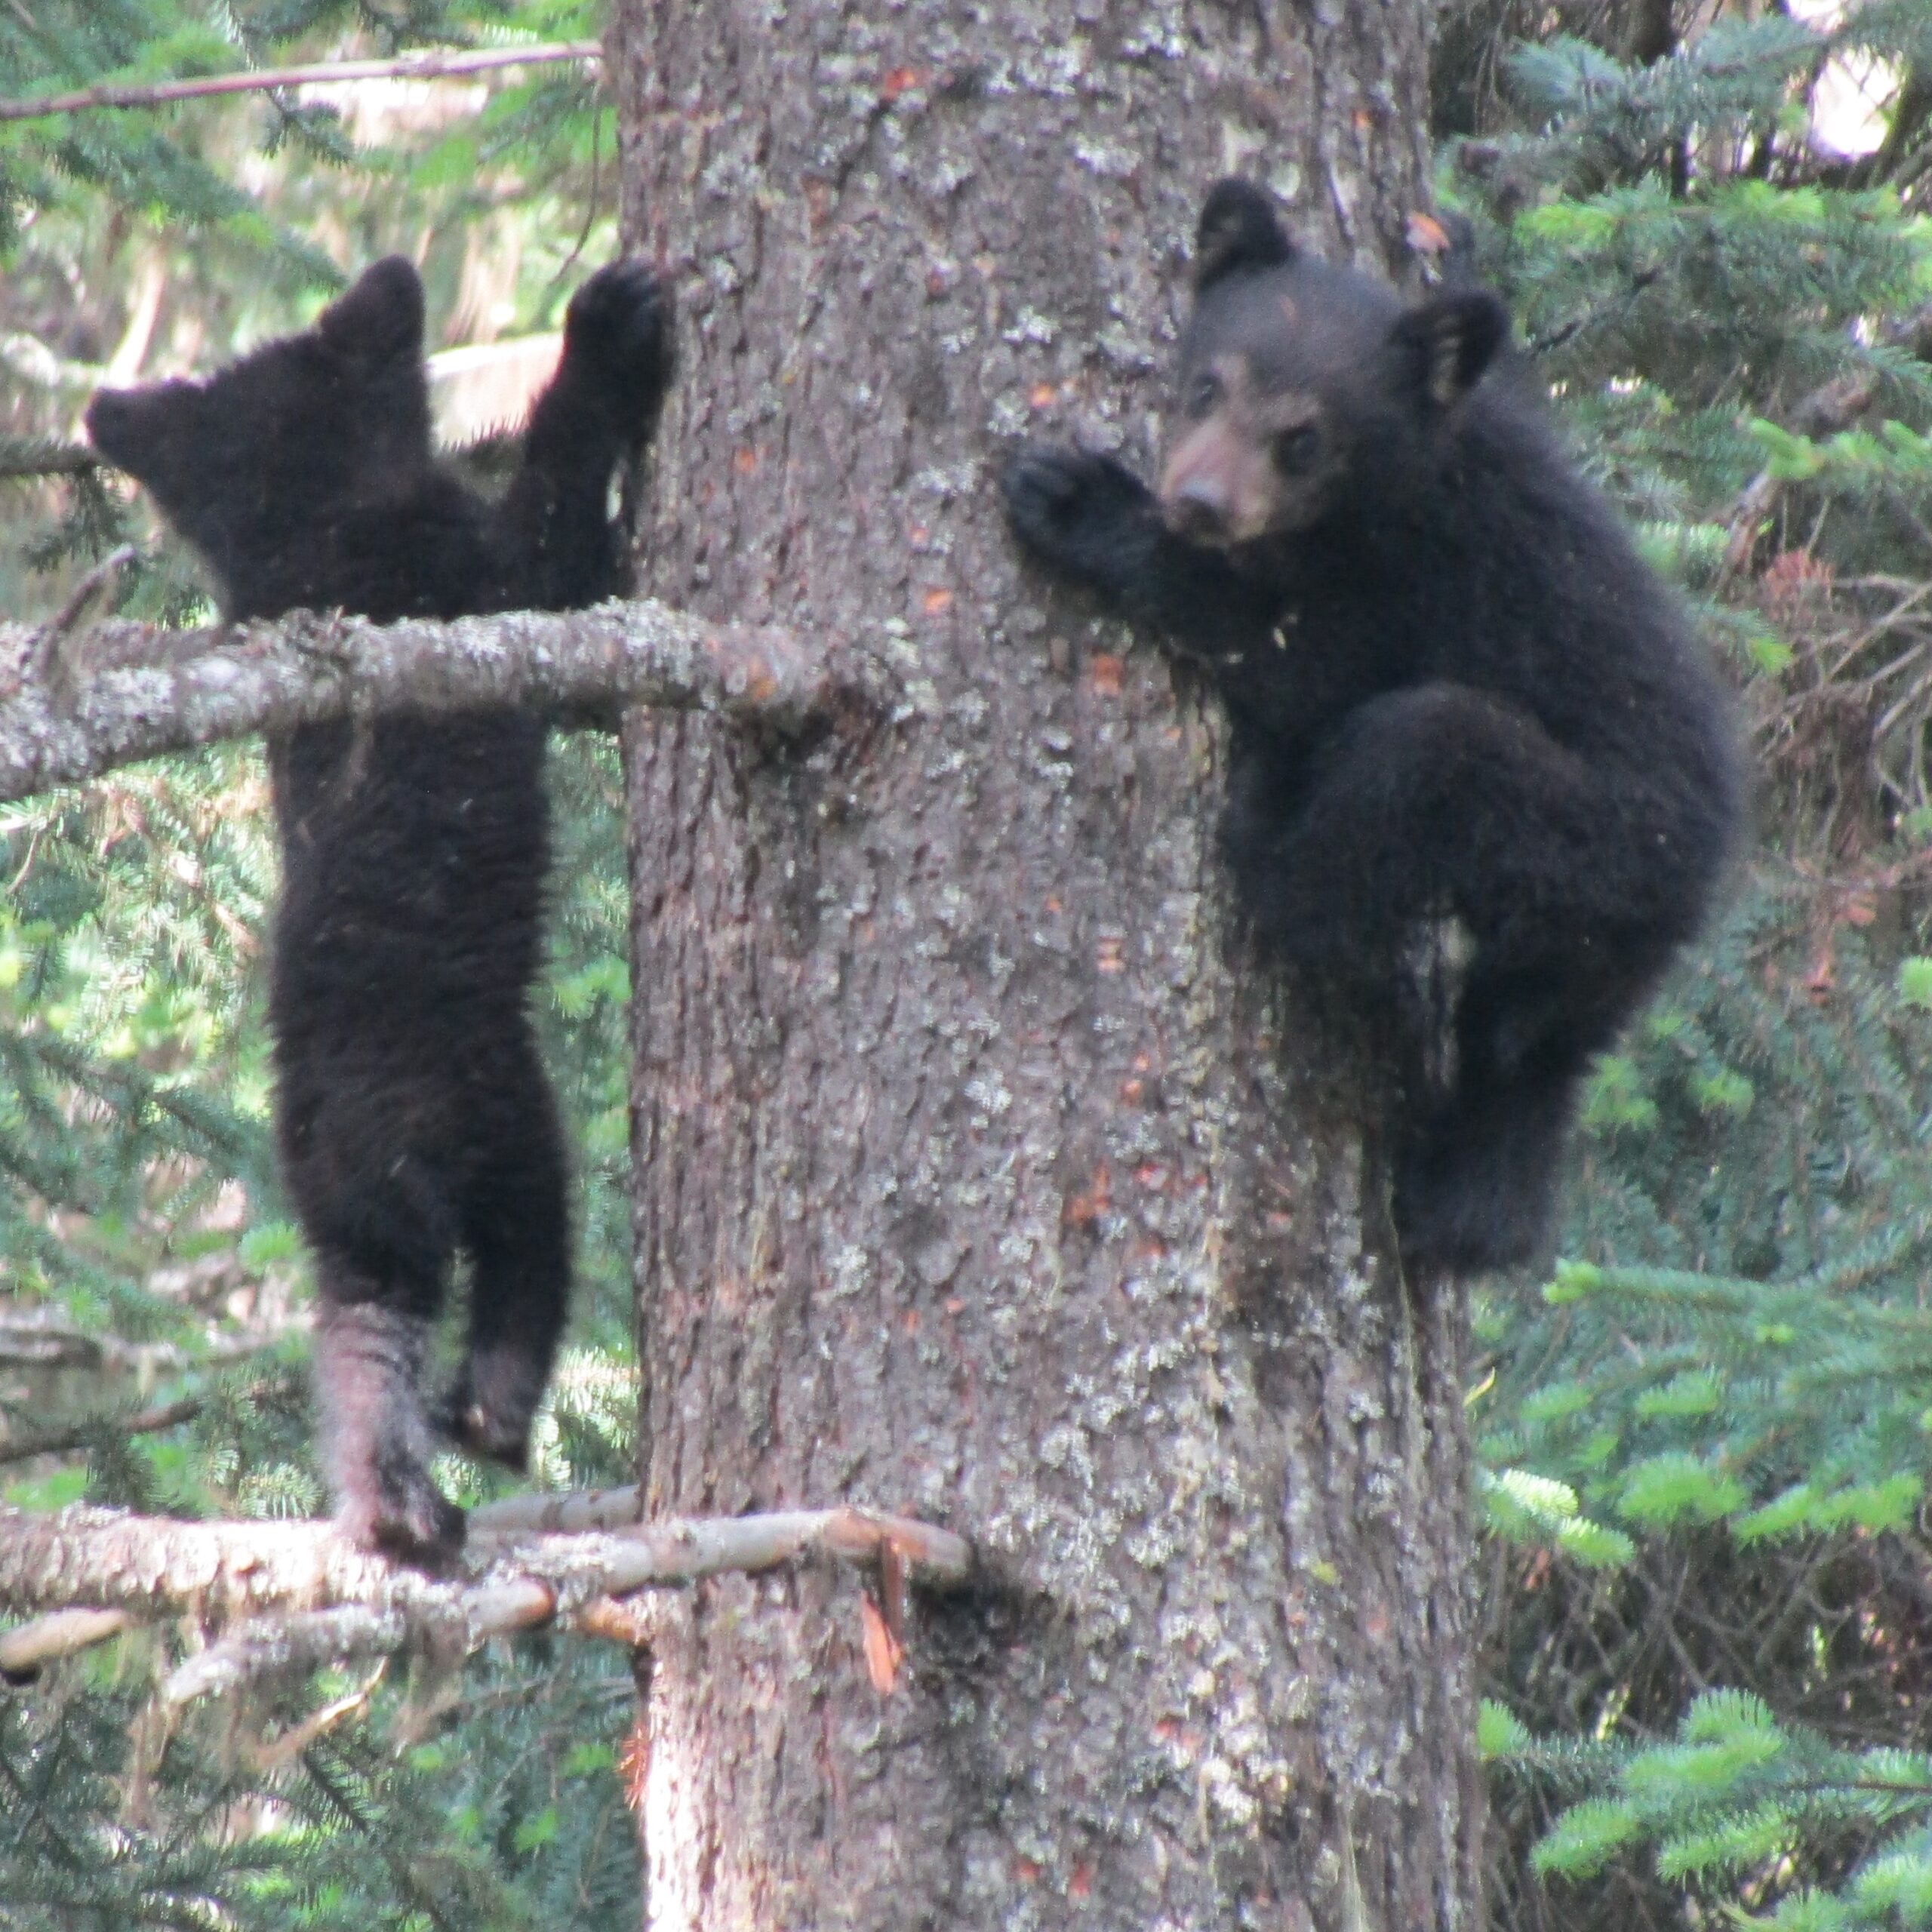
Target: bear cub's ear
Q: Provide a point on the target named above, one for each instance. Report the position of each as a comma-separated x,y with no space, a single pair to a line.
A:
1238,229
380,319
1445,344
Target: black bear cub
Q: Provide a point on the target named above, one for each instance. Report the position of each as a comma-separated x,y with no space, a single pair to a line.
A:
414,1119
1455,692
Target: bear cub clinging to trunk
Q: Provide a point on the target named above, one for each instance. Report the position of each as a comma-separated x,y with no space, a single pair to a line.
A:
413,1116
1453,691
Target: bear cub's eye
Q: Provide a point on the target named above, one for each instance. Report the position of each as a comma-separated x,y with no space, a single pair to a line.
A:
1296,451
1203,393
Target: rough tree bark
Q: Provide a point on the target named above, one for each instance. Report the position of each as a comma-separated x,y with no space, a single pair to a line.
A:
980,1173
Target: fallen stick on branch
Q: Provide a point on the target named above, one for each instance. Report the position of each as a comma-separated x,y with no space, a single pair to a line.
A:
164,691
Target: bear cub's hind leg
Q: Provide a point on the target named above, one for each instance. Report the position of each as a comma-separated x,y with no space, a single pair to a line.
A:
375,1440
515,1228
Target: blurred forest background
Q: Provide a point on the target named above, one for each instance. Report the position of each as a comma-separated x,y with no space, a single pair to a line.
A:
1706,1567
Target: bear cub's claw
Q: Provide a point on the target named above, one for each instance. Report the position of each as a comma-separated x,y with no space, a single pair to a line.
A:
471,1426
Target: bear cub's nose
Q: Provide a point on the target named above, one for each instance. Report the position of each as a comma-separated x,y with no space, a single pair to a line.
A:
1197,507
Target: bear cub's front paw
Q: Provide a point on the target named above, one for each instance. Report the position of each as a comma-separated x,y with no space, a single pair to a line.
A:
619,323
1061,502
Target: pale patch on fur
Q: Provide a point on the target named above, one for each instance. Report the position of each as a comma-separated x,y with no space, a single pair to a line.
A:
1436,961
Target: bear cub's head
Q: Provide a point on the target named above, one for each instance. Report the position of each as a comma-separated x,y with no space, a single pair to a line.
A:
258,461
1305,389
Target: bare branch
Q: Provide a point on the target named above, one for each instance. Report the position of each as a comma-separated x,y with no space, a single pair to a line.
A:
687,1550
28,1443
22,1652
554,1512
269,1756
648,1555
296,1595
104,577
402,67
265,1646
26,1342
163,691
156,1567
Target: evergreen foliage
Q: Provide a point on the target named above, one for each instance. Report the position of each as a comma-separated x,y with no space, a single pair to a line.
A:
1706,1442
511,1816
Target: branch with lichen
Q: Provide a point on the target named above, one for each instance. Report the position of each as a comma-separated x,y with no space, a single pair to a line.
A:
122,691
277,1597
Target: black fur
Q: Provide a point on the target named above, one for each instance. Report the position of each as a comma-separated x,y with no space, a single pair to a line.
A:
412,1117
1453,686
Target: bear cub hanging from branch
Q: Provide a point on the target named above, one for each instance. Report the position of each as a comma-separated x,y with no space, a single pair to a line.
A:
1453,692
412,1117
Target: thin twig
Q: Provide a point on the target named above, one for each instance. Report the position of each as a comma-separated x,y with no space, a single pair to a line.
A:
403,67
44,656
267,1756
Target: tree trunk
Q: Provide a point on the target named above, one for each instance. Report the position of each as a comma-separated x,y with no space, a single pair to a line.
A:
980,1173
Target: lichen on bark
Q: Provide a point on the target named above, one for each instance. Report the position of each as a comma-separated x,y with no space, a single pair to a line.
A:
981,1173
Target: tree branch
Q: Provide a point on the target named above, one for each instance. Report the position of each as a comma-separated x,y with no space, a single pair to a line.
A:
26,1342
295,1595
29,1443
554,1512
27,458
24,1651
163,691
1825,412
404,67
